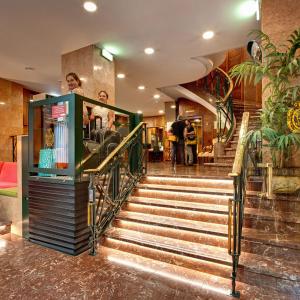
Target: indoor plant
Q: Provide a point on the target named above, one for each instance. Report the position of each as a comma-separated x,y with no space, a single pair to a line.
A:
280,69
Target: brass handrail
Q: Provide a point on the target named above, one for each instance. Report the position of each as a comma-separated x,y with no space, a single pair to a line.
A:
230,85
116,150
241,147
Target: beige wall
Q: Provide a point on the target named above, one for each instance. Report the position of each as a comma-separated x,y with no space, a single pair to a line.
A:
11,120
279,19
97,72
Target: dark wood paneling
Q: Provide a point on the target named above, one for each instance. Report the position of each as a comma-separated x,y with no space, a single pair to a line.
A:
58,216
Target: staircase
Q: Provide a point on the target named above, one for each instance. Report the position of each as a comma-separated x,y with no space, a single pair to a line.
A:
177,227
223,164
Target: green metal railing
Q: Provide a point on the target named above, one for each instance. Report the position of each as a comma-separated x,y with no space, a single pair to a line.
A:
112,182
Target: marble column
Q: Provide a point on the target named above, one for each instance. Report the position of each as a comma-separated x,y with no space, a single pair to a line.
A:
279,20
95,72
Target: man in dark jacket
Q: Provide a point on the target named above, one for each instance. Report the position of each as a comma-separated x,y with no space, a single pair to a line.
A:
177,151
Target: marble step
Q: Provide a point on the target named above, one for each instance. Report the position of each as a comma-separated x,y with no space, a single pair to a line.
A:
225,158
230,151
196,256
217,217
203,285
182,196
190,182
185,205
227,190
210,238
213,260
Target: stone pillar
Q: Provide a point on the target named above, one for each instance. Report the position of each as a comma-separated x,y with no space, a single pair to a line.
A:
96,72
279,20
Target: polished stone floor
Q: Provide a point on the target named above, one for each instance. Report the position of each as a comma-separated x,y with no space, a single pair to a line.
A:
29,271
196,170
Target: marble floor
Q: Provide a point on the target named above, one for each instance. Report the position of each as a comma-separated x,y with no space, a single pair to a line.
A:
196,170
29,271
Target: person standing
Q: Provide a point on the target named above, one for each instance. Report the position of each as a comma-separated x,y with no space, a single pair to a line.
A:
177,151
106,116
190,140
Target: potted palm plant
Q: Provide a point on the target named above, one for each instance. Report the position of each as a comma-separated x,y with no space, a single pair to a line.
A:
281,71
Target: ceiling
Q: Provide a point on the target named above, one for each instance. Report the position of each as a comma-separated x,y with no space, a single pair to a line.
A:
36,33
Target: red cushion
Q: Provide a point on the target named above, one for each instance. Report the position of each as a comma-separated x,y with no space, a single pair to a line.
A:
1,165
4,185
9,172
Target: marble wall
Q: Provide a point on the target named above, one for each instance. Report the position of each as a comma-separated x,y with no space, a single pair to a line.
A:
11,121
279,20
96,72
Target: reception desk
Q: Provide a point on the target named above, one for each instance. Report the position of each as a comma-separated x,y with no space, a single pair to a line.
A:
61,147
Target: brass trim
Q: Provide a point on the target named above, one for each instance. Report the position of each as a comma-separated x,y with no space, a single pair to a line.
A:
230,84
240,150
230,226
122,144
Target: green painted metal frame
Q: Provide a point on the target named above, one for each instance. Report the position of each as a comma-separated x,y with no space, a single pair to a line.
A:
75,132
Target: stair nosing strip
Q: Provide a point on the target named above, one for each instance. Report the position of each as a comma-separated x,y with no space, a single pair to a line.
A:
186,191
181,208
172,226
170,250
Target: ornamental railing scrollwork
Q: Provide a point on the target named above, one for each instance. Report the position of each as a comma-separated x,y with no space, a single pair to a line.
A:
113,181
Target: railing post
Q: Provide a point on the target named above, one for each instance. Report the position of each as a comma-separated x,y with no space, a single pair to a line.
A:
236,235
92,216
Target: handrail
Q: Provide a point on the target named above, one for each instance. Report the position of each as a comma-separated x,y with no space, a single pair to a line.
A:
236,204
116,150
240,150
230,85
112,182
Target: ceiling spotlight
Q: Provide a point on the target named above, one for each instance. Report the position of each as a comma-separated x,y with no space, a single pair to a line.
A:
121,75
249,8
160,111
141,87
207,35
139,112
156,96
90,6
2,103
149,51
173,106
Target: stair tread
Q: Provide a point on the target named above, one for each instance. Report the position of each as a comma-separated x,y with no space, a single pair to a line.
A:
207,285
195,250
214,254
219,164
184,188
179,204
192,225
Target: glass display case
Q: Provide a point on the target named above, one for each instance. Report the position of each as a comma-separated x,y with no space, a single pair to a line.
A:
71,133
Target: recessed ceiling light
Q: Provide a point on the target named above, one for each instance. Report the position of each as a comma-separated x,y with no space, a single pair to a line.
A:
83,79
2,103
207,35
160,111
141,87
173,106
248,8
121,75
156,96
149,51
90,6
139,112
